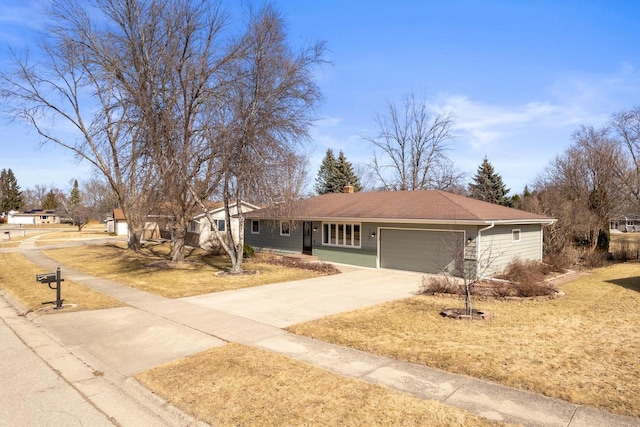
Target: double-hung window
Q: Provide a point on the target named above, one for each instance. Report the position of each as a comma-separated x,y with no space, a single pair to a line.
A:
341,234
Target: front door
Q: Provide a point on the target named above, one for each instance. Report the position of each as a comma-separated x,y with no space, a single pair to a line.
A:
307,237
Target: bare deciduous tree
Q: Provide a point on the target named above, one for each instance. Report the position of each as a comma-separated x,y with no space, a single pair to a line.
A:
69,84
581,188
180,112
626,128
98,197
411,148
267,114
168,57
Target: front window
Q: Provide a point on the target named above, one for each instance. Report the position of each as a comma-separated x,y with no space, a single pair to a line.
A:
193,226
285,228
255,227
341,234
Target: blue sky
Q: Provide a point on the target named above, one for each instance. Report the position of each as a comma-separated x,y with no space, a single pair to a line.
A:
519,76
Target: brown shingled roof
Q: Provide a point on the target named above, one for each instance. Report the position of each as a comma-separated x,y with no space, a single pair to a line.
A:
404,206
118,214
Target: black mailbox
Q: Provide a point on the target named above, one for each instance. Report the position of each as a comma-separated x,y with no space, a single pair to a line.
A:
46,277
49,278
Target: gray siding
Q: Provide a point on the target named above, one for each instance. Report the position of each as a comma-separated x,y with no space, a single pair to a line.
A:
269,238
420,250
497,248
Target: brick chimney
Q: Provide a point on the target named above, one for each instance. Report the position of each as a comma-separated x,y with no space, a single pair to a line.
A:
348,188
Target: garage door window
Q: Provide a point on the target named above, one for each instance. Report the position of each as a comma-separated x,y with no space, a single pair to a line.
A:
341,234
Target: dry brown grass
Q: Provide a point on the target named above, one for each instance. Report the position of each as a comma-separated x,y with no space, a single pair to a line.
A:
17,276
146,270
64,236
236,385
9,243
625,246
583,348
16,238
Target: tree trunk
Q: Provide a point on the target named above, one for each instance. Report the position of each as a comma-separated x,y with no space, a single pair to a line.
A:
178,242
236,261
135,231
236,252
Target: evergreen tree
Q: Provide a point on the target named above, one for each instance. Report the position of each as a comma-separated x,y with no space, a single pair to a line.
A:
50,201
326,174
11,198
336,173
345,174
487,185
74,196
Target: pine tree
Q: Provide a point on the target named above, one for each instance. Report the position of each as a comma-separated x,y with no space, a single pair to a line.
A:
11,198
50,201
336,173
487,185
74,196
326,174
345,174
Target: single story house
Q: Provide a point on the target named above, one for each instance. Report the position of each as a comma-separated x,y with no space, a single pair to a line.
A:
625,223
34,216
200,231
429,231
117,223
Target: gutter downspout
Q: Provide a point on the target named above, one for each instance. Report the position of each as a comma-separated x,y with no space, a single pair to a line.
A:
478,244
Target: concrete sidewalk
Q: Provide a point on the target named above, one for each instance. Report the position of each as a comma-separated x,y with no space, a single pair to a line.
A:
153,329
45,383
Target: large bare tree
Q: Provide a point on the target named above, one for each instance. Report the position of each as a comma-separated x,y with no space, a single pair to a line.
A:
170,108
168,56
411,147
267,114
70,83
581,188
625,126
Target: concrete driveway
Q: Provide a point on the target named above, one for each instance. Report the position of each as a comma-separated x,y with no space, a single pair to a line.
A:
284,304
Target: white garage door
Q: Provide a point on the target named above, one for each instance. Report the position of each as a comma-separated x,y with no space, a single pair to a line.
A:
419,250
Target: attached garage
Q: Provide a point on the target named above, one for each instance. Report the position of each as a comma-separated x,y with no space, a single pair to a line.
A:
427,251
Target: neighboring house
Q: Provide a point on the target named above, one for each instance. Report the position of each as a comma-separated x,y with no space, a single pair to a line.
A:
625,224
200,232
405,230
34,216
117,224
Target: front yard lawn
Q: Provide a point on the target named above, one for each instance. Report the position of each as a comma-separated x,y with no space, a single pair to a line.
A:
18,277
236,385
583,347
146,270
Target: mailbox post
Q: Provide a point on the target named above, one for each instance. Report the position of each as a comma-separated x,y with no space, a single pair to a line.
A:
48,278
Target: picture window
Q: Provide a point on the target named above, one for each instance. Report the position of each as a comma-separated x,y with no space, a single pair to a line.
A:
341,234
